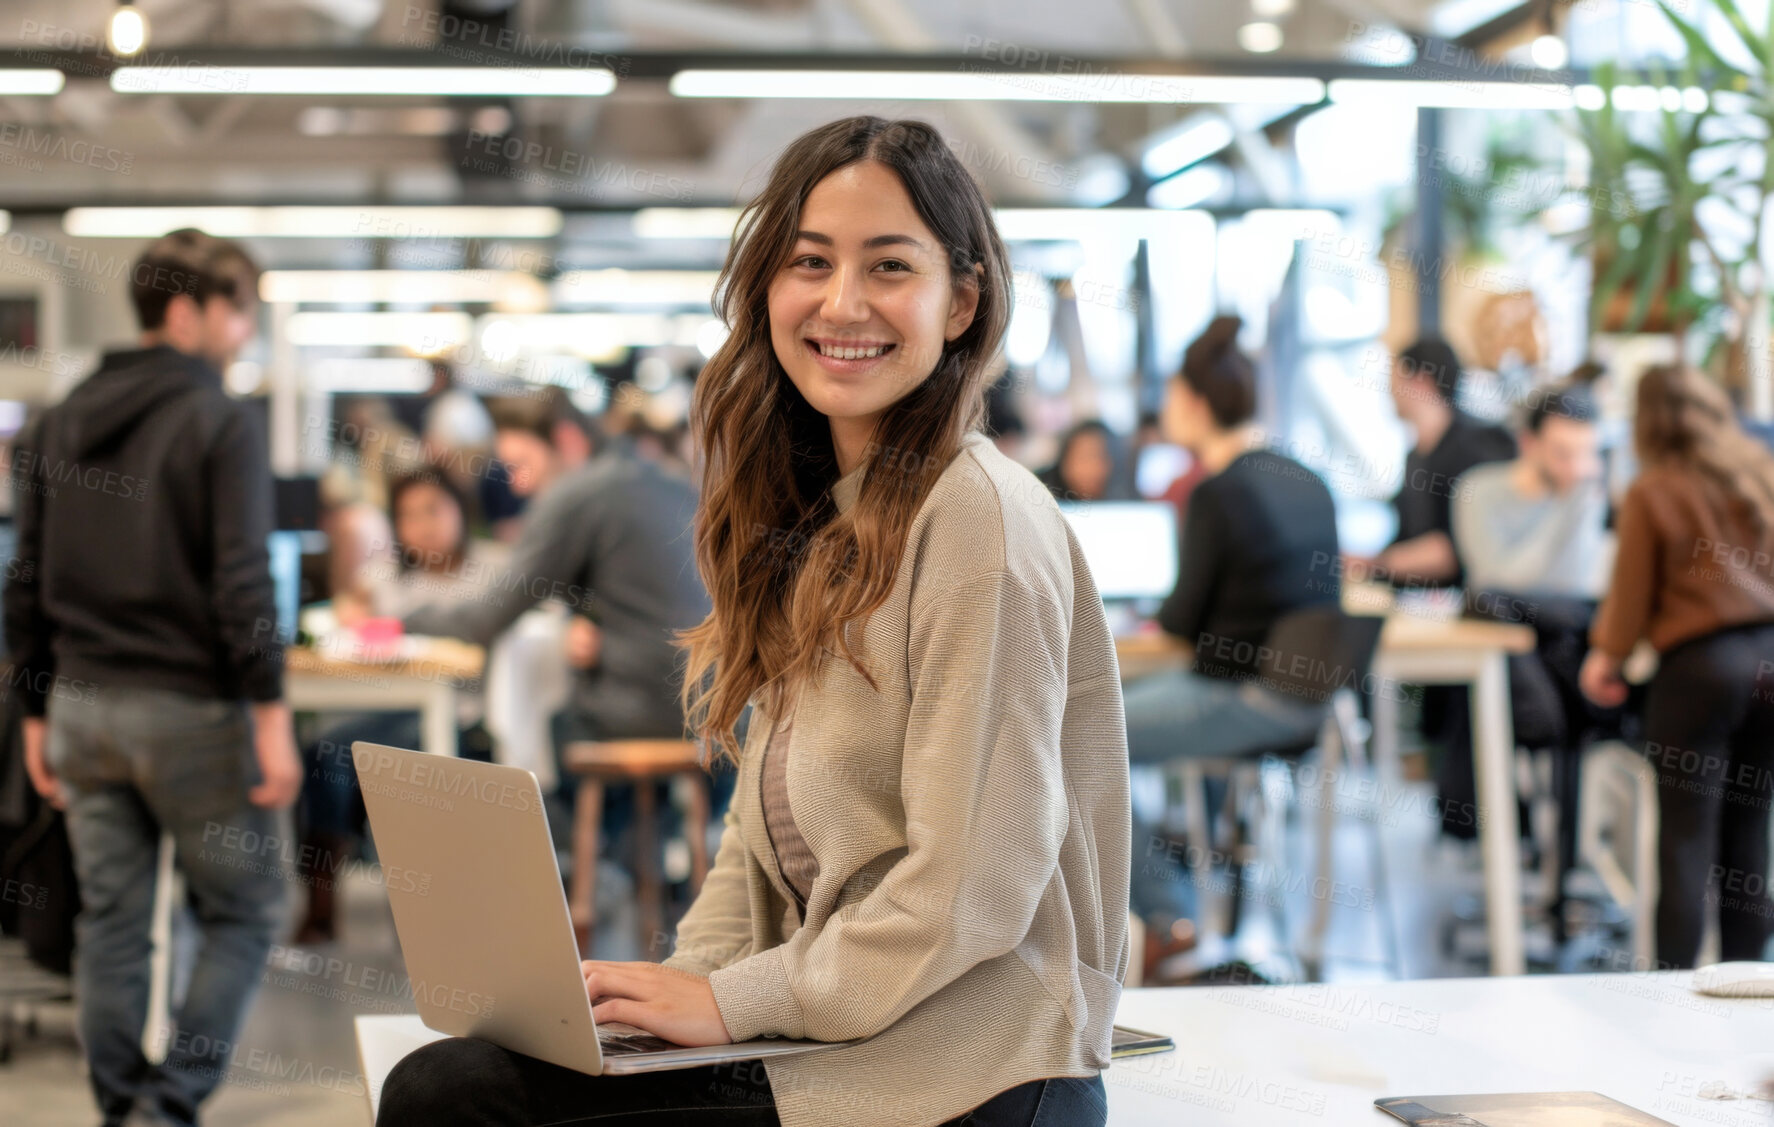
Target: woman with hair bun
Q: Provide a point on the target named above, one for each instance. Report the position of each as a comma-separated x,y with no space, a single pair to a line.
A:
927,850
1259,540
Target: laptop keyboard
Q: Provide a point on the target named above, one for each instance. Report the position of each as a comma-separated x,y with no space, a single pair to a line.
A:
617,1044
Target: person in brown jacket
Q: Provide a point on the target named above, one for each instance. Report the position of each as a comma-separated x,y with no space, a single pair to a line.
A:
928,848
1694,574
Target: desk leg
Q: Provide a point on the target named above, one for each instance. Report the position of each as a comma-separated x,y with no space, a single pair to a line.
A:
1383,710
437,720
1493,740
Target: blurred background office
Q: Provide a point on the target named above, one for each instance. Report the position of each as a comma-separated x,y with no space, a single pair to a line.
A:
1319,304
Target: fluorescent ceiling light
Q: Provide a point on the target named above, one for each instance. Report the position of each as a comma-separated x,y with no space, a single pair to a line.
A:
1196,141
394,82
1014,223
589,335
380,374
1033,224
685,222
1189,188
424,333
1549,52
1012,86
19,83
352,287
635,287
1293,222
1260,37
1451,95
316,222
128,33
1691,99
366,121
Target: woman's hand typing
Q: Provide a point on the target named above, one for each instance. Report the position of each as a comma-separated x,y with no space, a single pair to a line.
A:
670,1003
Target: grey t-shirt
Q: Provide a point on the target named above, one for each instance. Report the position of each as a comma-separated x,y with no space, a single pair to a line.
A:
1551,544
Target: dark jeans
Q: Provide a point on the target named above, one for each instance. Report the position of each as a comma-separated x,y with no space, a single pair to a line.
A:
135,762
1547,710
1709,733
462,1082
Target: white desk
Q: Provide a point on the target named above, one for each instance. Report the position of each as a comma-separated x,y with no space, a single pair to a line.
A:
426,683
1257,1056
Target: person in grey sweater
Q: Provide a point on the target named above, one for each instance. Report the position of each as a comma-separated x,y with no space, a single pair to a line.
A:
611,539
1532,539
1536,525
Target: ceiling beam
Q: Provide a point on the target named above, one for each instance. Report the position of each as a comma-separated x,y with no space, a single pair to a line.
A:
663,64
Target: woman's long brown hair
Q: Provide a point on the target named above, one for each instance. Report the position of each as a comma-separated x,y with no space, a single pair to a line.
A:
787,574
1684,419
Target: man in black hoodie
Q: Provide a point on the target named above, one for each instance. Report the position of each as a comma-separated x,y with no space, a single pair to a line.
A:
141,620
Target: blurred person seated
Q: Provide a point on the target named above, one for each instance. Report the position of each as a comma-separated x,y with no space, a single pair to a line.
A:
374,445
457,436
610,538
1425,385
1090,466
1693,576
1536,525
432,561
358,533
1532,540
664,446
1260,541
1425,388
540,438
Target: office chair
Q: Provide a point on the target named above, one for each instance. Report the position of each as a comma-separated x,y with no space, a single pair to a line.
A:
1619,822
1325,656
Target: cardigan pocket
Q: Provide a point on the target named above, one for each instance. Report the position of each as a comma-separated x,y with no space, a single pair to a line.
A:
1102,996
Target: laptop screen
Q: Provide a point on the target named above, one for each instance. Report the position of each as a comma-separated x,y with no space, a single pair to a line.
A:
1131,546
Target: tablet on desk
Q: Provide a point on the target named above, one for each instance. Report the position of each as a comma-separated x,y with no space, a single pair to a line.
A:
1517,1109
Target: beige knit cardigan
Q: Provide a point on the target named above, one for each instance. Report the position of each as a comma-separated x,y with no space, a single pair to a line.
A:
970,820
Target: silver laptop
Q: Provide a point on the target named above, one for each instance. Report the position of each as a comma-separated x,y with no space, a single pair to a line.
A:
482,917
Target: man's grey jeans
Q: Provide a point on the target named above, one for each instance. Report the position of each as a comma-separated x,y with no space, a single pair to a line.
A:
134,763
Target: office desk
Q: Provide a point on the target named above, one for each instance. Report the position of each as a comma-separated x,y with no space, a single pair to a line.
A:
1257,1056
422,674
1424,651
1415,649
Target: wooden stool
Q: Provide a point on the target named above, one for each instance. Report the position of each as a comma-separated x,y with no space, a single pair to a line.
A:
641,762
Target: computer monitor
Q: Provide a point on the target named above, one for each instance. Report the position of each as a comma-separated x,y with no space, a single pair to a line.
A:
1131,546
285,548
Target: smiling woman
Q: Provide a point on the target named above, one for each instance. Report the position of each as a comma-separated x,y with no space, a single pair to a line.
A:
928,847
867,291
